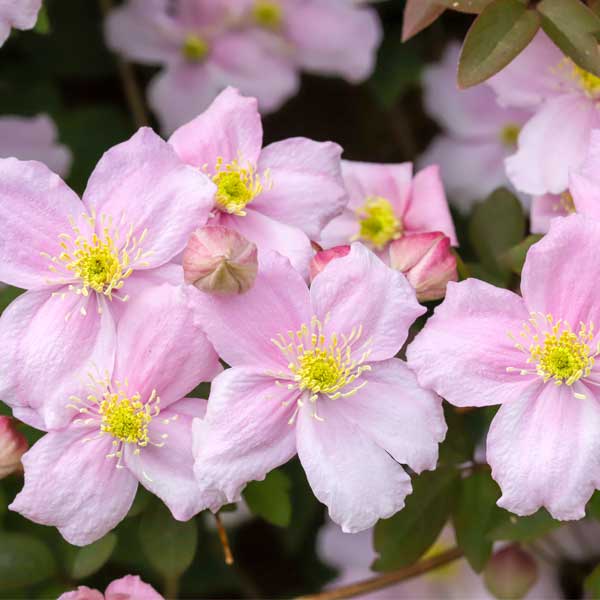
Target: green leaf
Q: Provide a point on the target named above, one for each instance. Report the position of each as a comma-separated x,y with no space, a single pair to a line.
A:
418,15
591,583
495,226
573,27
24,561
405,537
42,25
593,506
475,514
83,562
169,545
270,499
523,529
497,35
7,295
467,6
514,257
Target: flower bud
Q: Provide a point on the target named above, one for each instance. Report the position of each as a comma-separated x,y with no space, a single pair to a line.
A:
510,573
427,262
322,258
12,446
218,260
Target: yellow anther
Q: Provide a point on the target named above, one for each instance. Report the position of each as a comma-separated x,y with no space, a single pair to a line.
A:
237,186
194,48
267,14
588,81
378,222
510,134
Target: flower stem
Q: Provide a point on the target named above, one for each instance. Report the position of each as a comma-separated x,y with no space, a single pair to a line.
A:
171,587
224,540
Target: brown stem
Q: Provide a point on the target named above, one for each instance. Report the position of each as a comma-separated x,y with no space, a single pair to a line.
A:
135,99
224,540
387,579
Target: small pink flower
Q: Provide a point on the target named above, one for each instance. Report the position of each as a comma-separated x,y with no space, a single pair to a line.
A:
12,446
536,355
544,80
20,14
478,133
279,197
131,425
34,138
313,373
218,260
427,262
130,587
322,258
387,202
82,261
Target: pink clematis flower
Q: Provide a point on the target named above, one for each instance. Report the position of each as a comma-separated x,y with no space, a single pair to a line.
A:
130,587
386,202
20,14
279,197
34,138
478,133
313,373
544,80
536,356
131,426
80,262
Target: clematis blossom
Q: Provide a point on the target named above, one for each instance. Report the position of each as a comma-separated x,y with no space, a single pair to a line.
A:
130,587
279,197
536,356
20,14
132,426
81,262
314,374
386,202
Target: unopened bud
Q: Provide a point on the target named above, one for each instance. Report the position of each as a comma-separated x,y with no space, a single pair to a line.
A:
427,262
322,258
218,260
510,573
12,447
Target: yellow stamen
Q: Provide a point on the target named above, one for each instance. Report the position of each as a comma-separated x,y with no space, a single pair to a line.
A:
237,186
588,81
510,134
378,222
194,48
267,14
567,203
127,418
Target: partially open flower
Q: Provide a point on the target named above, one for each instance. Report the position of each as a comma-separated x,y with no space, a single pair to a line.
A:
322,258
427,262
510,573
12,446
218,260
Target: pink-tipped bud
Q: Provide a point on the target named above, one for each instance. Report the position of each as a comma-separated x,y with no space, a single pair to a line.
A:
510,573
322,258
218,260
427,262
12,447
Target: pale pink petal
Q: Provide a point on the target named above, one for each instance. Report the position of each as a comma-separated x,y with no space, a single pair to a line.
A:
427,208
464,350
131,587
561,272
49,348
21,14
360,291
70,483
533,463
82,593
172,356
305,187
401,417
342,230
242,327
546,152
585,181
355,478
143,184
230,129
546,208
35,206
325,37
246,432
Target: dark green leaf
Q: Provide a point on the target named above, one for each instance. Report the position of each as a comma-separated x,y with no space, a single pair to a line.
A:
43,22
405,537
24,561
592,583
523,529
593,506
514,258
498,34
418,15
83,562
7,295
270,499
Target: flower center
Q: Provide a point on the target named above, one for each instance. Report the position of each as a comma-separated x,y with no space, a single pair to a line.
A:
194,48
127,418
267,14
588,81
510,134
378,222
237,186
567,203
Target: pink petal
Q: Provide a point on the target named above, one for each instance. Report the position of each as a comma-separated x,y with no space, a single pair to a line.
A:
82,593
131,587
464,350
20,15
48,351
354,477
531,460
342,230
35,206
585,181
142,183
305,189
229,129
246,431
358,290
546,208
242,327
71,484
172,356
